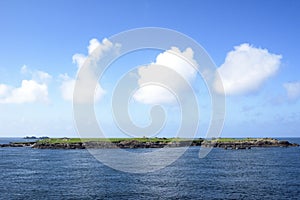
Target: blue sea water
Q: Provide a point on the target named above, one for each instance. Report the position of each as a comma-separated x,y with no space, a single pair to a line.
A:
259,173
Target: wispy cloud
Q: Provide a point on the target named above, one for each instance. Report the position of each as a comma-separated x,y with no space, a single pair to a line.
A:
292,90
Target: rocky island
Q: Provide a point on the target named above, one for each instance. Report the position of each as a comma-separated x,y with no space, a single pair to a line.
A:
246,143
101,143
35,138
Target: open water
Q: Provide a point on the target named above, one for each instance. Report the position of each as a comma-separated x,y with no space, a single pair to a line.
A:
258,173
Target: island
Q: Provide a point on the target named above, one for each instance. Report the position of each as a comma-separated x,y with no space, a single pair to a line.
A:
108,143
246,143
35,138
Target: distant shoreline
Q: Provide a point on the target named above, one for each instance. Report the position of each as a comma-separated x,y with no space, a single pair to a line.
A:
133,143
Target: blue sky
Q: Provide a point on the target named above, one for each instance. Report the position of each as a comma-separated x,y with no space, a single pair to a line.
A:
40,38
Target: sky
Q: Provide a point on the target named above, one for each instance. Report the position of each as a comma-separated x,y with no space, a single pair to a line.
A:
254,45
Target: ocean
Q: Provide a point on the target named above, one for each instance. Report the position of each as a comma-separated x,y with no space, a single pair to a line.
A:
258,173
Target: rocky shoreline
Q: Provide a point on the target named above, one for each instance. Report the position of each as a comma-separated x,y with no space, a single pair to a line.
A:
248,143
66,143
18,144
127,144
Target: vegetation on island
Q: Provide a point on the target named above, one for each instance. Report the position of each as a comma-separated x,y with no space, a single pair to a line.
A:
85,143
114,140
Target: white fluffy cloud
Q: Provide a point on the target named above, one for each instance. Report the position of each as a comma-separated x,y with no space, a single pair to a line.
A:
293,90
181,62
96,50
246,68
30,91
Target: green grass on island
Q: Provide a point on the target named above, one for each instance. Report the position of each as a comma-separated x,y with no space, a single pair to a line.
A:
144,139
113,140
154,142
237,139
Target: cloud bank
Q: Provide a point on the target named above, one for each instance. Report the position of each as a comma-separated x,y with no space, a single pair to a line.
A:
246,68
